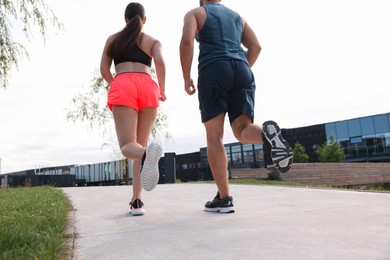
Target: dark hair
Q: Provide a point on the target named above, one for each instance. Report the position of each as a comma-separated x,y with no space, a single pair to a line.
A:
119,47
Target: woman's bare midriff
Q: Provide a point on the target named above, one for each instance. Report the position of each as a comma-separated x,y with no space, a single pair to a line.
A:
132,67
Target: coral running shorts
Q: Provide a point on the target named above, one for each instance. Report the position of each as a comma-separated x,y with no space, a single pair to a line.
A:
135,90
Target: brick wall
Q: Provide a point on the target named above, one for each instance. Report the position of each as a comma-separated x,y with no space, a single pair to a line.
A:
330,174
249,173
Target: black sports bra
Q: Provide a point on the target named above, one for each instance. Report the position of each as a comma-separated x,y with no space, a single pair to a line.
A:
135,55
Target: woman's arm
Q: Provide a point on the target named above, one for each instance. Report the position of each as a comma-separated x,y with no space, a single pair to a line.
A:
105,63
160,67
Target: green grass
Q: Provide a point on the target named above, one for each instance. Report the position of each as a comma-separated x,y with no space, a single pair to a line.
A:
382,187
379,187
259,182
264,182
33,222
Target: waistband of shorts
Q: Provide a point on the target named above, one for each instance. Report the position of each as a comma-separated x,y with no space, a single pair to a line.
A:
133,72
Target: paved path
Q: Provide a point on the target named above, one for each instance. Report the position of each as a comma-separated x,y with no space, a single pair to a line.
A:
270,223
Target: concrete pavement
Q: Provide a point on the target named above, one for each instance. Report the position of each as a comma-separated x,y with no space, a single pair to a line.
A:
270,222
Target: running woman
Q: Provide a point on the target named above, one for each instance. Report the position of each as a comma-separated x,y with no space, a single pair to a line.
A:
134,97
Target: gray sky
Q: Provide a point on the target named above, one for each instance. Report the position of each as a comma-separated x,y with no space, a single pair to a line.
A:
321,61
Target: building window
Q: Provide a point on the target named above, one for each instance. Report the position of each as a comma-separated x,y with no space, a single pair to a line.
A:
369,143
342,129
367,125
354,127
381,124
356,140
330,129
382,143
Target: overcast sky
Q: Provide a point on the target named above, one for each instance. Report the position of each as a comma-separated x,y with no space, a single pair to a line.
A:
321,61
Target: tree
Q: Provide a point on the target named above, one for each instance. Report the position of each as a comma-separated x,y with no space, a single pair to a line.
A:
299,154
29,13
331,152
91,107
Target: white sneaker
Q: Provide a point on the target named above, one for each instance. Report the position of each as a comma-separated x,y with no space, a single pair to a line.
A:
137,208
150,173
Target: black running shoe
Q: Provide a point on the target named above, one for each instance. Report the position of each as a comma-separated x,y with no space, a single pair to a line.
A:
137,208
281,152
224,205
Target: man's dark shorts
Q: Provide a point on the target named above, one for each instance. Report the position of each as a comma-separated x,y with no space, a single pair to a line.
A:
226,86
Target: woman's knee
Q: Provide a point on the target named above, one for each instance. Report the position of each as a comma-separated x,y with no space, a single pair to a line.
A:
124,150
127,150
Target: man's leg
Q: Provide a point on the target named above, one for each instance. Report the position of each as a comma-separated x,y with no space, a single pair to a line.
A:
245,131
248,133
216,153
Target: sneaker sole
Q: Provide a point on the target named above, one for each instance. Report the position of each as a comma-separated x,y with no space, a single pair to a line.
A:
281,152
137,212
150,172
220,209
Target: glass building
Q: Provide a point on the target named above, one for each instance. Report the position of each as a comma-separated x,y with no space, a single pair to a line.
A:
238,155
363,139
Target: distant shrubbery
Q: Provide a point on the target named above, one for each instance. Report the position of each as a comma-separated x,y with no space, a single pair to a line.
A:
330,152
299,154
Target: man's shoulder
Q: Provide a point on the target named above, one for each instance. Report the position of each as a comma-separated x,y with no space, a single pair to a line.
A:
195,11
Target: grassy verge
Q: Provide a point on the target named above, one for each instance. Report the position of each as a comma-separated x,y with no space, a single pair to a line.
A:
265,182
382,187
33,222
259,182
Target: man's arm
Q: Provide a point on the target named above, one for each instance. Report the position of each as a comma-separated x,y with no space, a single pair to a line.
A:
187,50
250,41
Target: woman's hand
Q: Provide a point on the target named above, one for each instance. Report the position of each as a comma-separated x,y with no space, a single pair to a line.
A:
162,96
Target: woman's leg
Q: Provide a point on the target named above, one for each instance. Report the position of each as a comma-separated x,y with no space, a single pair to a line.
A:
146,118
126,123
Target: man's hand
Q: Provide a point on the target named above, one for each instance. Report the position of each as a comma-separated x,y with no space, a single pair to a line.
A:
189,87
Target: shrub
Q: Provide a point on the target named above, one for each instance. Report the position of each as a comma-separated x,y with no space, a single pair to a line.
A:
299,154
330,152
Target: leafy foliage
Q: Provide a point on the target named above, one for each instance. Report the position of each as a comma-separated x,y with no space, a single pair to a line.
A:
299,154
160,126
91,106
29,13
331,152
